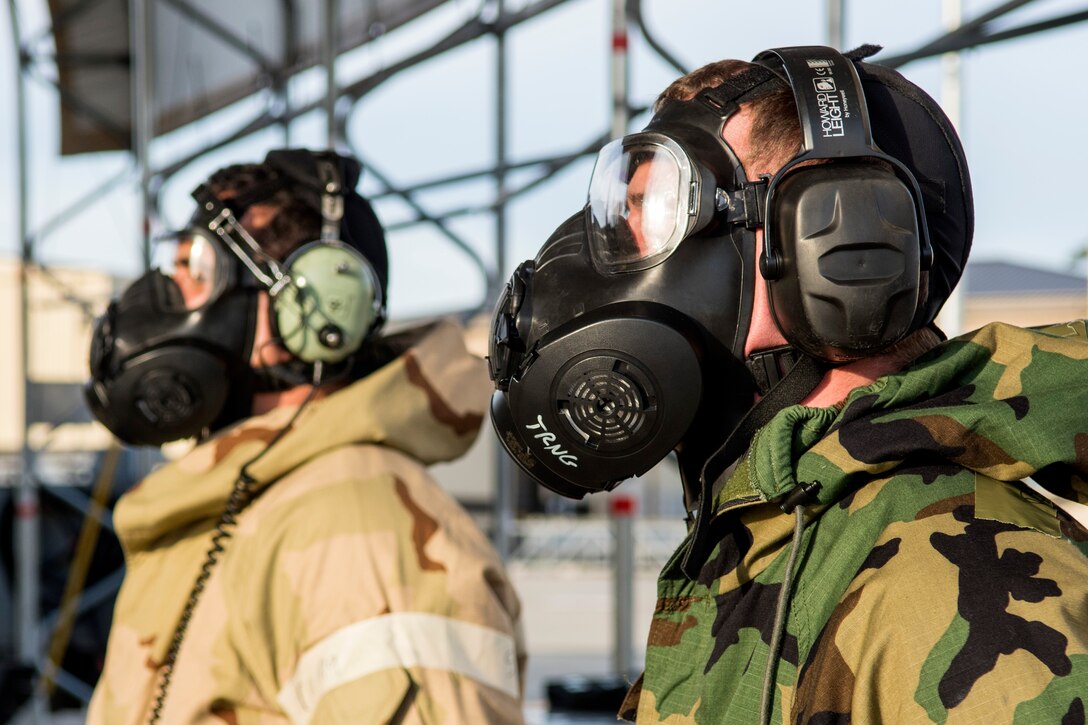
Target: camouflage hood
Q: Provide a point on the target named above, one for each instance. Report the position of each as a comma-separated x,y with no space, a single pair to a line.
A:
427,402
965,403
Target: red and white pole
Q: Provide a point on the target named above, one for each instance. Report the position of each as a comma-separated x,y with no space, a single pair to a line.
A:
622,507
620,68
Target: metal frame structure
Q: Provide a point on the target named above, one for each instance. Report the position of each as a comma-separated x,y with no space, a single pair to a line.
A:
494,20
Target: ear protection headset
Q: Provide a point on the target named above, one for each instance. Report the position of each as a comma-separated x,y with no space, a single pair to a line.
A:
336,300
325,297
845,237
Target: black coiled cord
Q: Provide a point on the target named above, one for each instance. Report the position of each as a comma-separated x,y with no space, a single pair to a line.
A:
240,497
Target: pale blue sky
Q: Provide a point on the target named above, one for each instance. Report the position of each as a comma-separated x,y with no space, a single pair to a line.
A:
1023,115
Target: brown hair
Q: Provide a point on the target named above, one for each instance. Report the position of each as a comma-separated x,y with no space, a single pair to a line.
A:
294,222
776,131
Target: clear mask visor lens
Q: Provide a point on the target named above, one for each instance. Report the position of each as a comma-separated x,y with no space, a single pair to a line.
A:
191,262
639,203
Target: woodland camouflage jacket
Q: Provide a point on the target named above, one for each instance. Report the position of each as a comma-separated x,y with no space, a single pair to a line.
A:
933,584
353,590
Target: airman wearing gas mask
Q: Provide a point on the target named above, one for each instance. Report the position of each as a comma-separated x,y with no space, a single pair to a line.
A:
882,526
298,564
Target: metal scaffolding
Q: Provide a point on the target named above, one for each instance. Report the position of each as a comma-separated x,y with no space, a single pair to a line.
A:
494,19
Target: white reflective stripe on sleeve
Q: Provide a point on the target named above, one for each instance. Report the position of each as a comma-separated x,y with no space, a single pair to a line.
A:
398,641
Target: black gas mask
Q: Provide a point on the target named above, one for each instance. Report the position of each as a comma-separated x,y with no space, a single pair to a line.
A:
161,357
171,357
624,339
618,341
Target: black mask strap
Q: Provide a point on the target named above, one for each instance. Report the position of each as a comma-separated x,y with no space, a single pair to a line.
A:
770,366
801,380
748,85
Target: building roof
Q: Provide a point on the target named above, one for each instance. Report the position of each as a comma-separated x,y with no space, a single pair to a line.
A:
1004,278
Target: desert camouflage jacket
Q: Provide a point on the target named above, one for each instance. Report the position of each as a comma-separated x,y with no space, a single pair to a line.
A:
936,579
353,590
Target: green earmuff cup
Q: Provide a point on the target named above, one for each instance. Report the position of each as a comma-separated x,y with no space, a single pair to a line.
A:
331,304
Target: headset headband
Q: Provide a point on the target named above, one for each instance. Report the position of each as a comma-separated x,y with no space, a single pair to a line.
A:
830,102
834,118
332,197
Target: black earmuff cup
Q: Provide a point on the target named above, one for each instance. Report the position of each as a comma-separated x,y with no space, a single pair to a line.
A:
849,245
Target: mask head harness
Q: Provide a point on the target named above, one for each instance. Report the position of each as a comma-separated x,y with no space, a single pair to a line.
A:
170,358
